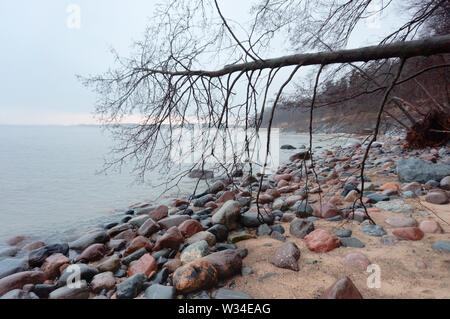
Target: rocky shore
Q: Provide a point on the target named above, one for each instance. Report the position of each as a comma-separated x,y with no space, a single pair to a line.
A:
311,243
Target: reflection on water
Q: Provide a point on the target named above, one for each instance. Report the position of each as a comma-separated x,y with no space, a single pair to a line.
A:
49,183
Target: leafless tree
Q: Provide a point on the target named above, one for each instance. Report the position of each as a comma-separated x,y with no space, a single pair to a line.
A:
166,83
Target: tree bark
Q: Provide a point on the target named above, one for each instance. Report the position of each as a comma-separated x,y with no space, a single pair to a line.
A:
407,49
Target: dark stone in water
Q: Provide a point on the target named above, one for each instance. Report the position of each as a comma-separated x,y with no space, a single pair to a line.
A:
110,225
11,266
126,219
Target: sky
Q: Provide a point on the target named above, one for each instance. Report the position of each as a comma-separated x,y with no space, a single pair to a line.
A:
46,43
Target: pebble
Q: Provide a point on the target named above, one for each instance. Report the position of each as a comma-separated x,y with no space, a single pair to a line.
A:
300,227
430,226
343,233
437,197
442,245
401,221
351,242
157,291
131,287
408,233
321,241
397,206
356,260
343,288
194,251
286,257
196,275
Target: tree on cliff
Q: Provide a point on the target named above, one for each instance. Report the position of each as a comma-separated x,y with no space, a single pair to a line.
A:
195,65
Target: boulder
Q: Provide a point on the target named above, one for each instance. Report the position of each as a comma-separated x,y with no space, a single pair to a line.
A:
373,230
325,210
430,226
351,242
228,215
227,263
158,291
92,253
201,174
52,264
437,197
203,235
417,170
237,236
18,280
174,220
397,206
401,221
196,275
9,266
441,245
445,183
173,238
220,231
104,280
99,237
286,257
190,227
250,219
38,256
148,228
131,287
159,213
301,227
110,264
321,241
343,288
195,251
76,292
85,272
138,243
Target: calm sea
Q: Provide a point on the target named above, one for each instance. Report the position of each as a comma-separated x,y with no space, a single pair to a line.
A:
49,181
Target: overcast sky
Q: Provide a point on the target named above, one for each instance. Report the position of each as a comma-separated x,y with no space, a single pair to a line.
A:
41,52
